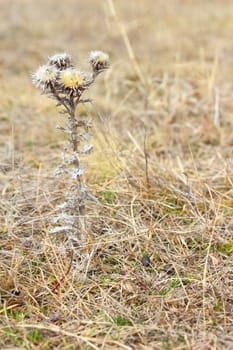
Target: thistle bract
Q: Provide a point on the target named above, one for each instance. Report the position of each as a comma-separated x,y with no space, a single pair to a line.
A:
44,76
99,60
61,60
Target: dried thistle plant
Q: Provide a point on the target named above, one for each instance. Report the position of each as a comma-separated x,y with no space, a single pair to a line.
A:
63,82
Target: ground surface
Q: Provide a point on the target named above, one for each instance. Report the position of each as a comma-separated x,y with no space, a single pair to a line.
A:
161,239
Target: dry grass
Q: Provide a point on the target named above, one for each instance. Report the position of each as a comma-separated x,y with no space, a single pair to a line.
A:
167,103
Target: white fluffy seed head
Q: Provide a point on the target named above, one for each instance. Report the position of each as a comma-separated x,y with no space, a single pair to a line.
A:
98,55
44,75
61,60
99,60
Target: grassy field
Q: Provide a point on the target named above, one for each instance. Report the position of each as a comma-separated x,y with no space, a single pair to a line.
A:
161,239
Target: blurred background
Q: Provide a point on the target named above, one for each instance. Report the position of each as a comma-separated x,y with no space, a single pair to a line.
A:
159,31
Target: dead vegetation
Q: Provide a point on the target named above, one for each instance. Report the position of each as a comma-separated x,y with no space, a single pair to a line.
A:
160,241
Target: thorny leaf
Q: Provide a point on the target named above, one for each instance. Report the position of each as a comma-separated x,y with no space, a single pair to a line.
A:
60,170
62,128
87,149
64,112
91,197
63,206
60,229
75,172
66,218
86,136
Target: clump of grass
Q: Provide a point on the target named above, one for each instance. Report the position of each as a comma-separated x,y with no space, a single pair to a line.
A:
66,84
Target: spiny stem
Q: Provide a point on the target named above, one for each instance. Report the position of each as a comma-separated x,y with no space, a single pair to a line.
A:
72,124
59,99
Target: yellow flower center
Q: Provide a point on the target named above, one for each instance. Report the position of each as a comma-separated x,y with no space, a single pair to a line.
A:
71,78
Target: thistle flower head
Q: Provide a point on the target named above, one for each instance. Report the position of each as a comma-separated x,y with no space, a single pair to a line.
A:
44,76
72,79
99,60
61,60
